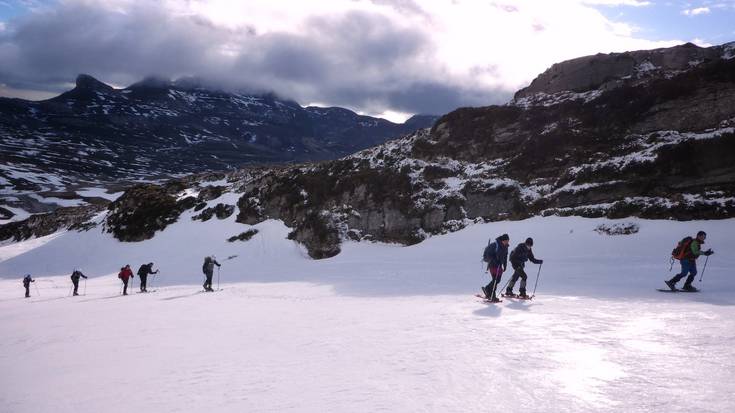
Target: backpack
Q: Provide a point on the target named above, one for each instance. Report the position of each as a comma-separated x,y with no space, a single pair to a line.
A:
487,253
513,254
682,248
204,266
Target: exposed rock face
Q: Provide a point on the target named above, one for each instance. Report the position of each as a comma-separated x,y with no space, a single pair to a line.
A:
40,225
145,209
607,71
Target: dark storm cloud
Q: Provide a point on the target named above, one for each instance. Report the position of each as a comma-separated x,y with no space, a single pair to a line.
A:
360,60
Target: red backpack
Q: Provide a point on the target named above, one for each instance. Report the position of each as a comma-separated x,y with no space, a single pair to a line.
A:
682,248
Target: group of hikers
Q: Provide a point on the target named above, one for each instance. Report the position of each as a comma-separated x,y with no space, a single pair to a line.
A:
144,271
687,251
126,274
495,255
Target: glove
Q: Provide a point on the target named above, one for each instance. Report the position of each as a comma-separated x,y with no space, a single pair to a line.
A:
709,252
540,262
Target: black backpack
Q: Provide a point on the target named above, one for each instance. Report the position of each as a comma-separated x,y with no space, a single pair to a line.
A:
206,263
487,253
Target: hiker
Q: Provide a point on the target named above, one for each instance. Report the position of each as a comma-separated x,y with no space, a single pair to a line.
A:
691,249
125,274
496,256
208,269
143,272
75,279
518,258
27,280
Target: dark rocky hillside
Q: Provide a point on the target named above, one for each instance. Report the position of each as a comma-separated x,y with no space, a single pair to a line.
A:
95,134
655,146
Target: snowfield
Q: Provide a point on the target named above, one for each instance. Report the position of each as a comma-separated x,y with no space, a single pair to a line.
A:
376,328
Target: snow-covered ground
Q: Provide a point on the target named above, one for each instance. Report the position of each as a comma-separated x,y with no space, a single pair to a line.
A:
376,328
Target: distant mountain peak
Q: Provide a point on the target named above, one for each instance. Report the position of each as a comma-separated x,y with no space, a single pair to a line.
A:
87,82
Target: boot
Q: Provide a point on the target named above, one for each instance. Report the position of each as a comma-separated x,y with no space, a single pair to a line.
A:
523,294
509,292
689,288
484,292
671,284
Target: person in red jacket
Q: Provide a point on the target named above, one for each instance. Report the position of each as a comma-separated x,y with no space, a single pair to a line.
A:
125,274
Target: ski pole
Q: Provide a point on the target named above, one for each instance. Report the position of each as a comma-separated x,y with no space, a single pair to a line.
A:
536,284
85,287
218,268
70,289
703,268
38,293
122,285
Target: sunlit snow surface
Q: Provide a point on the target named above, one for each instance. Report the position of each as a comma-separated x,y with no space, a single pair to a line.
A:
377,328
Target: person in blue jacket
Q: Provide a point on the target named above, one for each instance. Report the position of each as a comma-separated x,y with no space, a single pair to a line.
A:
496,256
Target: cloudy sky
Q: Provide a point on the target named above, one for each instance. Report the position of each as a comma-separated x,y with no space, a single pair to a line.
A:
381,57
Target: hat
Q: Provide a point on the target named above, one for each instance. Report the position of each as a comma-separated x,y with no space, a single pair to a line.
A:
504,237
529,241
700,233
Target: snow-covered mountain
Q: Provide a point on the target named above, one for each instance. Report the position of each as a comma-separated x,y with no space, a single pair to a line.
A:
659,147
98,134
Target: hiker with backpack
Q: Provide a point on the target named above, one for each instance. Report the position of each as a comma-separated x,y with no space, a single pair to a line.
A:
75,279
143,273
518,258
496,256
125,274
27,280
687,252
208,270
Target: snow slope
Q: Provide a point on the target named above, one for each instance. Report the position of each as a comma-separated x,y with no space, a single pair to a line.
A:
378,327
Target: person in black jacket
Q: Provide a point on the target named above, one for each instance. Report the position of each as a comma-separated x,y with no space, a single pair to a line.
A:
27,280
208,270
143,272
75,279
518,258
497,262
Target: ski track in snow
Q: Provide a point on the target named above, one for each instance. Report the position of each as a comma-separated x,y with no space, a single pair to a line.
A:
377,328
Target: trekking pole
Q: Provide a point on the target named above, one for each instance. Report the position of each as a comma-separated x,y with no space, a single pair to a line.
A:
495,282
537,277
703,268
506,285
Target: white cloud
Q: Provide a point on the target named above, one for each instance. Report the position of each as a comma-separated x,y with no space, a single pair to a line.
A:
634,3
696,11
375,56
